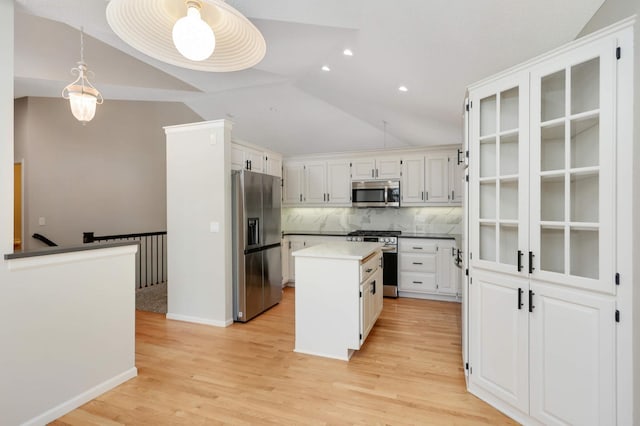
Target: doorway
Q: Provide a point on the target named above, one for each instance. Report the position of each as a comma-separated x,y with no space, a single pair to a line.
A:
17,207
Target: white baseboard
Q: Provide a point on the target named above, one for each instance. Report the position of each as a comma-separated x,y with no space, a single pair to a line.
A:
75,402
198,320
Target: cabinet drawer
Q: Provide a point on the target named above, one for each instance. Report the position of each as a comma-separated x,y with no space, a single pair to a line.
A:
369,265
413,281
418,262
408,245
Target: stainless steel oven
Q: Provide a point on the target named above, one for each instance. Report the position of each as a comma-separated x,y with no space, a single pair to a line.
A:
378,193
389,256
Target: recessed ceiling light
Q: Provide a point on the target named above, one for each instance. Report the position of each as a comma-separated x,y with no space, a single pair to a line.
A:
403,89
326,68
348,52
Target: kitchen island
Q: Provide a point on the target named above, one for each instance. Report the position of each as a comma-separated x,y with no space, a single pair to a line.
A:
338,297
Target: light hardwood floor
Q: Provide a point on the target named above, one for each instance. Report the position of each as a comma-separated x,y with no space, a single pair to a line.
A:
408,372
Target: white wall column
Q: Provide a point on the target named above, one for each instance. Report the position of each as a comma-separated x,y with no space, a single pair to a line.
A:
199,253
6,129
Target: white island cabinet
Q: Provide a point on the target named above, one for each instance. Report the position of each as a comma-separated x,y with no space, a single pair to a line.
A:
338,297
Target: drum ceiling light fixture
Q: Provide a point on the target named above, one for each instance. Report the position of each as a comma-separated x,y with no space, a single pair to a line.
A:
203,35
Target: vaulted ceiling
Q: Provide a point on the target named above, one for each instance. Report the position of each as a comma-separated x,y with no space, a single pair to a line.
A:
287,103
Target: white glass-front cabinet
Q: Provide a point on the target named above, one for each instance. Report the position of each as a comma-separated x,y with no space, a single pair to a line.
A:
542,299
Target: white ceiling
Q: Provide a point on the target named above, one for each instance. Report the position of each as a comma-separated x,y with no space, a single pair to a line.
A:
435,48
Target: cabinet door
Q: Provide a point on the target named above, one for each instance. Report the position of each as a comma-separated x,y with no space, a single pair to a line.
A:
293,178
437,178
285,260
338,182
378,294
499,176
255,159
572,165
315,177
412,184
572,356
444,277
273,165
456,177
363,169
388,168
499,337
237,157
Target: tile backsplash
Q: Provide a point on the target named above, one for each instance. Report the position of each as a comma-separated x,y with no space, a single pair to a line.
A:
436,220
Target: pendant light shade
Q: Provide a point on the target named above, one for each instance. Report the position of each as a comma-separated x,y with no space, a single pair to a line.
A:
213,36
82,96
193,37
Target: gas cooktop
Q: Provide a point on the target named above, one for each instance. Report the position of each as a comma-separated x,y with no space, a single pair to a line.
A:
368,233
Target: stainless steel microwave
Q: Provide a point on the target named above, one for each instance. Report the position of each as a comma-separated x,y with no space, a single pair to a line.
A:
378,193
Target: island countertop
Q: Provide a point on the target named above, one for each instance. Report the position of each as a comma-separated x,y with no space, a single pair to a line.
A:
340,250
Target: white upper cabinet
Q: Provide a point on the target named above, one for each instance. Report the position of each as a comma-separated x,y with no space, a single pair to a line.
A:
293,183
436,166
375,168
256,160
432,179
338,182
412,184
317,183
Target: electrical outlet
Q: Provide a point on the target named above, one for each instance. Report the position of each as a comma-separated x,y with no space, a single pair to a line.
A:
41,221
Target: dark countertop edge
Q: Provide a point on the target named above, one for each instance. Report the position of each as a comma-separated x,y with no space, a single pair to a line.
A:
317,234
68,249
429,236
345,233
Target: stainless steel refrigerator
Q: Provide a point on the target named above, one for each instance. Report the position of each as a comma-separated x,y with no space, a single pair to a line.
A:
257,263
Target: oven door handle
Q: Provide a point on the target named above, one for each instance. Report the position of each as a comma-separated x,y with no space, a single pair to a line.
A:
388,249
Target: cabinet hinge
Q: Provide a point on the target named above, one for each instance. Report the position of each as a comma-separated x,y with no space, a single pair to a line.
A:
360,294
617,278
467,153
470,280
360,336
466,366
617,315
466,272
266,158
466,106
618,52
400,162
470,370
350,165
466,177
470,255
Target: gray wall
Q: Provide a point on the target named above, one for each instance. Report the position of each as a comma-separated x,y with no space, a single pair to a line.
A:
610,12
108,176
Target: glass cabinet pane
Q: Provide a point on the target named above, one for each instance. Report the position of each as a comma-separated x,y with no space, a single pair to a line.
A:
509,200
488,242
553,96
584,253
509,245
552,249
509,109
488,158
552,198
509,155
488,200
585,146
552,148
584,197
585,86
488,116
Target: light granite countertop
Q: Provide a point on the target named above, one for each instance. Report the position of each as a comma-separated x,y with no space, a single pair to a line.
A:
339,250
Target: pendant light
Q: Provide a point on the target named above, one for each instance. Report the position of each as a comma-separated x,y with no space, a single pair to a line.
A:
193,37
201,35
82,96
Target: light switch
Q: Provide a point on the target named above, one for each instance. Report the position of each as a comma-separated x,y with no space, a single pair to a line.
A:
41,221
212,139
214,227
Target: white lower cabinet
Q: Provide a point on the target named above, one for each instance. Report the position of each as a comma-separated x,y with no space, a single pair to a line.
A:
298,242
545,350
427,268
